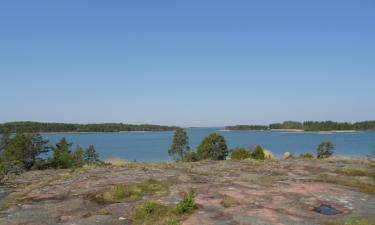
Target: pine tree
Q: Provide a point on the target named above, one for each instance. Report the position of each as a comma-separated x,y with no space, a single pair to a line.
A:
180,145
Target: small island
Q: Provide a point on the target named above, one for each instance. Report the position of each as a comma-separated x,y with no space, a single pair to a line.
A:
313,126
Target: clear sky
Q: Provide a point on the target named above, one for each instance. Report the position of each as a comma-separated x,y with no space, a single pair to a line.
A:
187,63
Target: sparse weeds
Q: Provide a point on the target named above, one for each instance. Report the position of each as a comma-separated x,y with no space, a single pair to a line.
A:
355,172
155,213
228,202
355,183
132,191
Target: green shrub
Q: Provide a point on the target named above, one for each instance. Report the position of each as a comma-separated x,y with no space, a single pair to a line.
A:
240,154
324,150
191,157
153,213
213,147
119,192
258,153
187,204
306,156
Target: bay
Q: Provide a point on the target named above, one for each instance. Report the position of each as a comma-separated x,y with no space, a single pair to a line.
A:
153,146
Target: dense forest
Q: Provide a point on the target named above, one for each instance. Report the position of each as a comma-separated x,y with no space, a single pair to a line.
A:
22,127
310,126
246,127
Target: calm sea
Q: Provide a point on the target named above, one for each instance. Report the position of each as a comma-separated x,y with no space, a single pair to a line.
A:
153,146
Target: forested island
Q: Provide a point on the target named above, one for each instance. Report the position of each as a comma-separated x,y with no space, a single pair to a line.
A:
22,127
310,126
247,127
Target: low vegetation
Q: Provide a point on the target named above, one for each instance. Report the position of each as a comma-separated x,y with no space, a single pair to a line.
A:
352,182
355,172
155,213
27,151
242,153
324,150
131,192
228,202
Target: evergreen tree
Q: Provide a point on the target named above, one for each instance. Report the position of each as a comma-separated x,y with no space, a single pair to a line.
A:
24,149
62,157
4,140
91,156
324,150
213,147
180,145
78,156
258,153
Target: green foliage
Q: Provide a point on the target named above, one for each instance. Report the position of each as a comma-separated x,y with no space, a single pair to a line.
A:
306,156
240,154
9,168
91,156
132,191
119,192
213,147
64,158
154,213
187,204
246,127
77,156
28,127
258,153
191,157
324,125
180,145
4,140
25,148
324,150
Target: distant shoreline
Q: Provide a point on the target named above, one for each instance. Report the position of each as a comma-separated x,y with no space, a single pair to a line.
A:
99,132
303,131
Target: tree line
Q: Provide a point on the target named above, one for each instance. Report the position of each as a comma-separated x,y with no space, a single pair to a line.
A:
30,127
214,147
310,126
22,152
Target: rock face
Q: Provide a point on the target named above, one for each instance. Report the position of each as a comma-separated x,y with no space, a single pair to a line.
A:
287,155
227,192
268,154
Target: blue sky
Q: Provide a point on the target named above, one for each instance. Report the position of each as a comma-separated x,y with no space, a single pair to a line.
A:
188,63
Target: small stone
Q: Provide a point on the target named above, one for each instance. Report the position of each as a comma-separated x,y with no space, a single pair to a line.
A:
121,218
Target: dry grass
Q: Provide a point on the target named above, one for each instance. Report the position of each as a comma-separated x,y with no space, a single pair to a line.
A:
131,192
352,182
228,202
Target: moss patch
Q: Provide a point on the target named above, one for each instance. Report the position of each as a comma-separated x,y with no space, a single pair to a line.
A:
228,202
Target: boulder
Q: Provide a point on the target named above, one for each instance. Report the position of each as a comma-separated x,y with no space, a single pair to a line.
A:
287,155
268,154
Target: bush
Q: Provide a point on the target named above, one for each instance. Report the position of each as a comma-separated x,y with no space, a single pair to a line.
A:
240,154
91,156
306,156
191,157
187,204
213,147
8,169
324,150
258,153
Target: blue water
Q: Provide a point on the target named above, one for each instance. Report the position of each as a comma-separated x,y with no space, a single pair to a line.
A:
153,146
